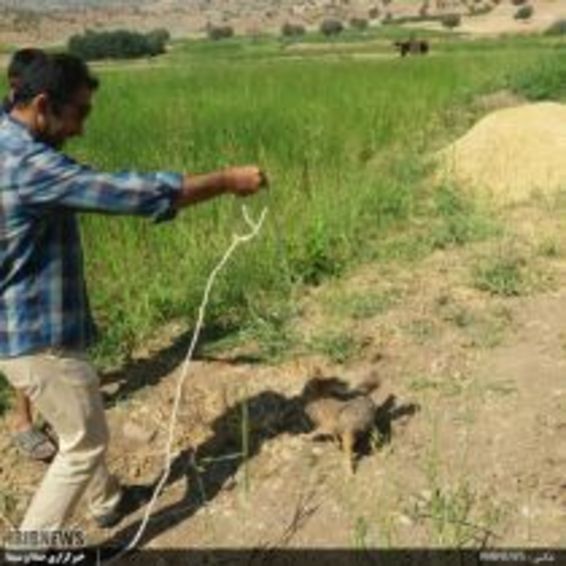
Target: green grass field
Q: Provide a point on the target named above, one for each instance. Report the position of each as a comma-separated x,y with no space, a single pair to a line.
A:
342,140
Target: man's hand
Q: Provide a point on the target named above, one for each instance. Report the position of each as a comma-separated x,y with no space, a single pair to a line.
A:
240,181
244,181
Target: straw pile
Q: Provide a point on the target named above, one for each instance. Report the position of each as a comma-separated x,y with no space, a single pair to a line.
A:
511,154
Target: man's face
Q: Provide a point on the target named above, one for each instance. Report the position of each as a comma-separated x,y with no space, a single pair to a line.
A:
69,119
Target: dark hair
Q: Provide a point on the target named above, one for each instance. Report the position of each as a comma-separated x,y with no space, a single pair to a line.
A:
22,59
19,62
59,76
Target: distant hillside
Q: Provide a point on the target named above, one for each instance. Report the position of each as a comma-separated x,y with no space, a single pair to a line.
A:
44,22
51,5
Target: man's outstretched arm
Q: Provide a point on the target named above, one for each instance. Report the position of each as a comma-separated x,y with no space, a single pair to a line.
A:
239,181
51,179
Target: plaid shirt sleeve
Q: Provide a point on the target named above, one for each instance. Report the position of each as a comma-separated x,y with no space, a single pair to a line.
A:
48,179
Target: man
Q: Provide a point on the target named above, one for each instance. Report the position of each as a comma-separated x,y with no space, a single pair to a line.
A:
45,321
28,438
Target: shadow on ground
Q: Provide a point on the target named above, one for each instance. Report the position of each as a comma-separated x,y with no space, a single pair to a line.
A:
210,467
138,374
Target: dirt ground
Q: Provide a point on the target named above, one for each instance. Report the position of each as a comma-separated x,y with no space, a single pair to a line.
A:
468,448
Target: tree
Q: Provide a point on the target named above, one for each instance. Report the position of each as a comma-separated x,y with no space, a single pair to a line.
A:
158,39
373,13
524,13
331,27
451,21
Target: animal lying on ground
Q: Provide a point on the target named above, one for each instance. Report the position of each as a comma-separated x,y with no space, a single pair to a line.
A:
412,47
344,415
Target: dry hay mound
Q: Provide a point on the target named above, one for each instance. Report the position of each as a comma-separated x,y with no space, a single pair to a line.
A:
511,154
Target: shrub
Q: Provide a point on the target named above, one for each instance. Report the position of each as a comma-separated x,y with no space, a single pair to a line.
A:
331,27
373,13
220,32
481,9
359,23
160,34
557,28
504,274
292,30
524,13
451,21
546,81
158,39
518,2
119,44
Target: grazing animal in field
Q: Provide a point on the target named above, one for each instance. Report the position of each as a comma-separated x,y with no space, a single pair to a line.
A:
412,47
344,415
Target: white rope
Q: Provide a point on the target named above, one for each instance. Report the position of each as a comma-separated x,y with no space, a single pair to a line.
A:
237,240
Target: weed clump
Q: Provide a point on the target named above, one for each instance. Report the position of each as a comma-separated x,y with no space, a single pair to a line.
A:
503,274
544,81
461,221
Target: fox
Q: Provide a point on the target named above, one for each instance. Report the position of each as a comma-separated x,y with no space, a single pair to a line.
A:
344,415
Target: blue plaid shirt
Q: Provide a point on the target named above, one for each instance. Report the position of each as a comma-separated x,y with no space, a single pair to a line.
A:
43,298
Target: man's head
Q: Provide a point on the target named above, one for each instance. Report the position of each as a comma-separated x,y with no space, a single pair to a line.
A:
53,97
19,62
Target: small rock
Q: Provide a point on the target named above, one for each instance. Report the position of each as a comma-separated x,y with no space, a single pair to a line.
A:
526,511
405,520
426,494
111,389
137,433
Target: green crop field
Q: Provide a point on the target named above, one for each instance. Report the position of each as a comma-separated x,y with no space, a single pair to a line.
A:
342,140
